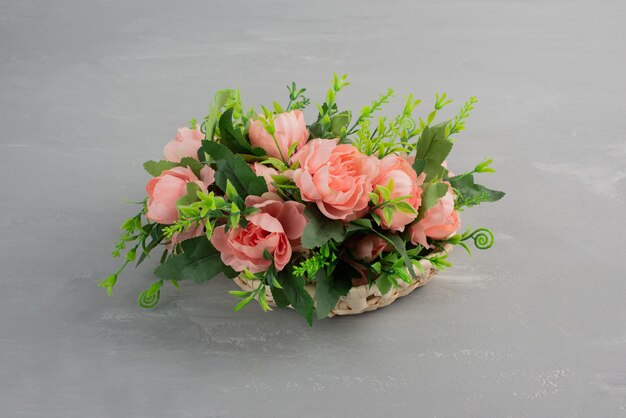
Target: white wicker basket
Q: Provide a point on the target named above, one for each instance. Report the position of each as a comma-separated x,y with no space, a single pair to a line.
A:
362,298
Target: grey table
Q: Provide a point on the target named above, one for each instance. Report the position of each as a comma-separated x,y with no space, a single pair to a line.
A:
535,327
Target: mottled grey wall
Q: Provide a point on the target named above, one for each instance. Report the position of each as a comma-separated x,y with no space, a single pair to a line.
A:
533,328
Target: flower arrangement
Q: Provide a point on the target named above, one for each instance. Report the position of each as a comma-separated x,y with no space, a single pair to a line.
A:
340,216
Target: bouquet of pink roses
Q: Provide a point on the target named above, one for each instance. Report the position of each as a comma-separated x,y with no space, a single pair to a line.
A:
337,217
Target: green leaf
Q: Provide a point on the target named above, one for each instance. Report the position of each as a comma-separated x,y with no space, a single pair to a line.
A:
319,230
419,165
155,168
280,299
469,191
233,138
298,297
243,303
400,246
109,283
199,261
431,193
340,122
395,240
384,284
328,291
221,97
433,146
232,167
191,196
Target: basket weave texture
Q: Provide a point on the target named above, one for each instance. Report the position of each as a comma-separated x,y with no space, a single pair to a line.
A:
363,298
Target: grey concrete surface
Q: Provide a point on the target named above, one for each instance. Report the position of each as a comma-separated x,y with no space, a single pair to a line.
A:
533,328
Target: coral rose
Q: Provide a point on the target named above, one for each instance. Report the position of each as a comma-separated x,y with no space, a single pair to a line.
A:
338,178
185,144
438,223
289,129
277,228
405,183
164,190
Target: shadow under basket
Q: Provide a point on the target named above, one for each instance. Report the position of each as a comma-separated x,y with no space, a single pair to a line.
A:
363,298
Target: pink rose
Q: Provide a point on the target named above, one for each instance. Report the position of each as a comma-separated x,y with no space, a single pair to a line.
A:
277,228
438,223
368,248
338,178
290,129
185,144
267,173
164,190
405,183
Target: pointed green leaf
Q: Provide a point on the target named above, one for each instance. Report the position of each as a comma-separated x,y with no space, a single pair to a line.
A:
232,167
299,298
328,291
199,261
431,193
319,229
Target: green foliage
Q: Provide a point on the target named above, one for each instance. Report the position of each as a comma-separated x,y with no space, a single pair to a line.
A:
458,123
155,168
320,229
199,261
223,98
431,150
294,289
431,193
260,293
280,299
109,283
330,122
328,290
368,111
137,233
192,194
297,100
471,194
196,207
440,262
391,135
441,101
388,269
232,167
150,297
233,138
317,260
400,246
482,237
381,199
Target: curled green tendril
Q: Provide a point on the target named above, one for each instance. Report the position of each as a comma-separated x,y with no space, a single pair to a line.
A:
146,300
409,124
483,238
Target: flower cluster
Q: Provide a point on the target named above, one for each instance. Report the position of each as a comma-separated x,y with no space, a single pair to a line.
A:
335,203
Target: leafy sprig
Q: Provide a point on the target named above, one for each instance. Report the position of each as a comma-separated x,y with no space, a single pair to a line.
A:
382,199
297,99
457,124
368,111
134,231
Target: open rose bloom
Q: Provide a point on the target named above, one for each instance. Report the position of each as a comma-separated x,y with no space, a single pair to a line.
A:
329,217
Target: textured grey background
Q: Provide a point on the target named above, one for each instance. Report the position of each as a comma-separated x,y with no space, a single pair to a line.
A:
535,327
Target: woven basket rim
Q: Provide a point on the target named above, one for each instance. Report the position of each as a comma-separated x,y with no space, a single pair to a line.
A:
366,297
